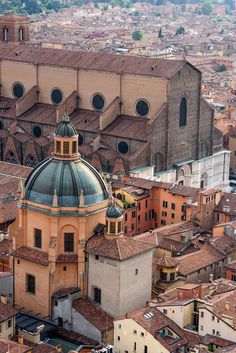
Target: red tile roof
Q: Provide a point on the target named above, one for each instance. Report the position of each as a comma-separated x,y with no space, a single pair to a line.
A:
193,262
65,291
33,255
117,248
94,314
156,323
67,258
167,261
91,60
6,311
12,347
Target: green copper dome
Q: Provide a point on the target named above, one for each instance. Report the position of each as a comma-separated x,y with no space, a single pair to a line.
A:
66,129
113,211
74,182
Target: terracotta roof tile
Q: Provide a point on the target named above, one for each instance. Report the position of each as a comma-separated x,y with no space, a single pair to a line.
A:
65,291
227,204
91,60
167,261
6,312
117,248
30,254
93,314
67,258
158,322
13,347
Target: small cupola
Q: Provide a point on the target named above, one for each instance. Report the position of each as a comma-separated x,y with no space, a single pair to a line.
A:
114,220
66,140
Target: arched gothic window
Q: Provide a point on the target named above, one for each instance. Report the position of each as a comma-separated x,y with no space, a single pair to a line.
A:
10,158
183,113
30,161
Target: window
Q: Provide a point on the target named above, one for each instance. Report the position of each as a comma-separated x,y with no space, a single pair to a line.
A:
37,238
123,147
5,34
163,222
173,206
56,303
18,262
74,146
172,276
118,338
9,323
125,230
18,90
133,214
139,206
146,203
165,204
213,331
37,131
165,311
136,271
142,334
80,139
97,295
56,96
145,349
139,218
142,108
58,147
96,257
164,213
183,113
66,147
132,226
21,34
135,346
68,242
163,276
217,333
119,326
126,217
119,227
30,284
202,327
213,318
112,227
98,101
135,332
172,215
64,268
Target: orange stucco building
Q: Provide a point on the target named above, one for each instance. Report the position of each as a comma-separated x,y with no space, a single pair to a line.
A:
59,206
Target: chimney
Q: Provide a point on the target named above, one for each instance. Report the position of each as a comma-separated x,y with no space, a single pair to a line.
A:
20,338
58,348
4,298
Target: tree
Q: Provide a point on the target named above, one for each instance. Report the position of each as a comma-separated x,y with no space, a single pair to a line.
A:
137,35
180,30
207,7
160,35
221,68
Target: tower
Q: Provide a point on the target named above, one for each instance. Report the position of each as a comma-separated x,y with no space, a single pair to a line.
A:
14,28
62,201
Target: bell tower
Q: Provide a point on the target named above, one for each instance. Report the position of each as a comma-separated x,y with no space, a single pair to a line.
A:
14,28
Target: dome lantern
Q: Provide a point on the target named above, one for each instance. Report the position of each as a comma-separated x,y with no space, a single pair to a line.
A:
114,220
66,140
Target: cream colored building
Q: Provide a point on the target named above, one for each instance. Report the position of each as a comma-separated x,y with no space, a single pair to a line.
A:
7,319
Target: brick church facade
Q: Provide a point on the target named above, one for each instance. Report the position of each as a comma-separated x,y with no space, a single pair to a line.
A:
136,115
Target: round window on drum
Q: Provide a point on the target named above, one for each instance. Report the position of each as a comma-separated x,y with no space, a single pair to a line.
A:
142,108
18,90
98,101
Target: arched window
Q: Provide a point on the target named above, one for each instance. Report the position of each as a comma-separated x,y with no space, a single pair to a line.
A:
5,34
183,113
203,183
30,161
10,157
21,34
